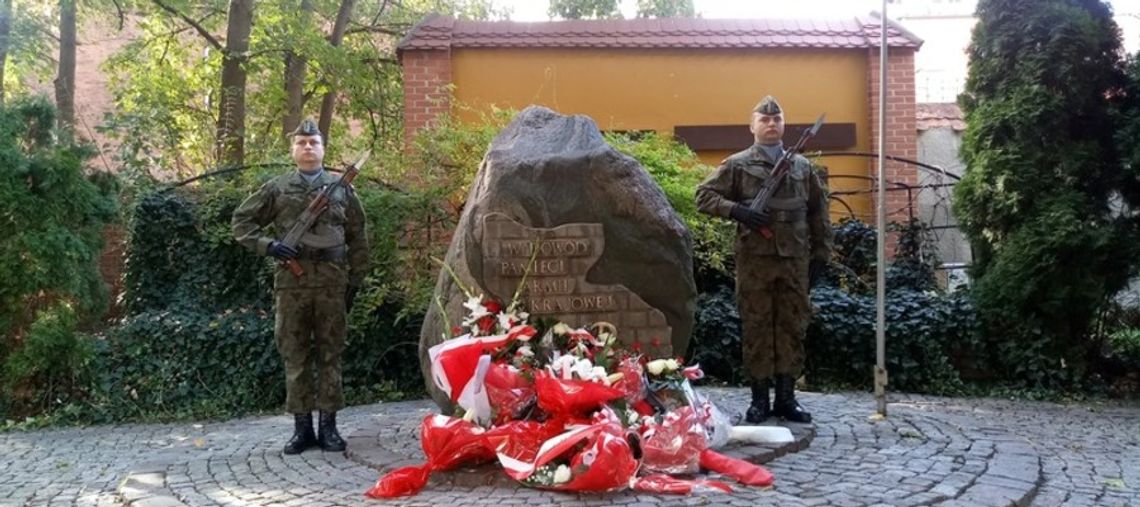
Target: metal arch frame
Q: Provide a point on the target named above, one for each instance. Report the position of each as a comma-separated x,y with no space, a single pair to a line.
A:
898,186
869,154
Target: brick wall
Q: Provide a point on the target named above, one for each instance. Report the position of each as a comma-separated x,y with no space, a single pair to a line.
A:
901,134
111,263
427,75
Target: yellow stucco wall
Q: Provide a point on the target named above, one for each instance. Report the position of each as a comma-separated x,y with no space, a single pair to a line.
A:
655,89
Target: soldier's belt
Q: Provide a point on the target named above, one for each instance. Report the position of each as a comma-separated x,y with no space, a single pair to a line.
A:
333,254
781,215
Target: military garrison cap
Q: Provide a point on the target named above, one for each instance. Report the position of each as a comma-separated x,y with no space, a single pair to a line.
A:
308,127
768,105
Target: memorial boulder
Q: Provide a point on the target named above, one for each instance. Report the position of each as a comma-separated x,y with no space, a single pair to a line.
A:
605,243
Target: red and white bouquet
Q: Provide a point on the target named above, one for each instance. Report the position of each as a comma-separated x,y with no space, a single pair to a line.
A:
567,409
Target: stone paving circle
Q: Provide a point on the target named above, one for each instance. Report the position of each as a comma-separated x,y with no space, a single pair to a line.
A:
928,451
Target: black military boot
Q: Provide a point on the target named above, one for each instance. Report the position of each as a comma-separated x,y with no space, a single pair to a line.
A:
303,437
327,436
786,405
760,410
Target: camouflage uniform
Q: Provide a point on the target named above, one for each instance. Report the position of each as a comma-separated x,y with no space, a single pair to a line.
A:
311,318
772,274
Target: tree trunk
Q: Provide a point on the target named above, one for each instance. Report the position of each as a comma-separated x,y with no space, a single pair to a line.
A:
295,68
230,135
328,103
5,33
65,80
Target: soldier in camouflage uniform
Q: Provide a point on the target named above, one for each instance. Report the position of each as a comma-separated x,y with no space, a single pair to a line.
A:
311,309
773,276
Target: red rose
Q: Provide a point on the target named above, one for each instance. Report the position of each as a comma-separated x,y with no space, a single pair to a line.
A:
456,331
492,306
486,324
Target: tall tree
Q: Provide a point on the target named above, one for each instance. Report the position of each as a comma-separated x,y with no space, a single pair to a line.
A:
1041,173
230,137
65,78
5,36
328,103
166,83
295,68
665,9
583,9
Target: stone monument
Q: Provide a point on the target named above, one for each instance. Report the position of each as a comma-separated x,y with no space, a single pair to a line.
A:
609,246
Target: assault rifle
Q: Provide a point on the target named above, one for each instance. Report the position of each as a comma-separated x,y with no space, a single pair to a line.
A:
318,205
780,173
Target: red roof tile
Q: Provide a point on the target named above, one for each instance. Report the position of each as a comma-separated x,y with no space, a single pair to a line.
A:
441,32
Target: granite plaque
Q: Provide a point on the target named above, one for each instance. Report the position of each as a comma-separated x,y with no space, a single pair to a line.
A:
557,285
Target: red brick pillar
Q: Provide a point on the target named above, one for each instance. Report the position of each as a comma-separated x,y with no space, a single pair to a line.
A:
901,131
427,75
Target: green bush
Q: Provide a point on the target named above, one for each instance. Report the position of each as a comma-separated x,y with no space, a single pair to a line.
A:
1038,198
927,331
1124,345
52,367
198,338
924,331
53,222
853,256
716,336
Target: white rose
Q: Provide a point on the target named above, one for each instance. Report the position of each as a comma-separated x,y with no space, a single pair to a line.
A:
562,474
561,328
525,351
655,366
671,365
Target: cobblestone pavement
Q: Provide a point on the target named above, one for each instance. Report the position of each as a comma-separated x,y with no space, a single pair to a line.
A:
929,451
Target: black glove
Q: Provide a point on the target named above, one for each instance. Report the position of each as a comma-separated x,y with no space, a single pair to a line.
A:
815,272
752,219
281,251
350,297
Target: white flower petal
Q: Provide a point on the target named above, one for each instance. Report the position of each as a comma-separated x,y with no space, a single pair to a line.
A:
562,474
